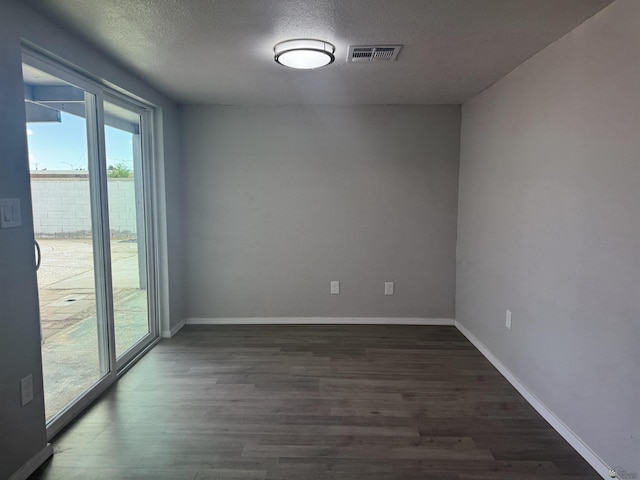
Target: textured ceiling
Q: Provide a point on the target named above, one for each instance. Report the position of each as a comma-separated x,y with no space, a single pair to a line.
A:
221,51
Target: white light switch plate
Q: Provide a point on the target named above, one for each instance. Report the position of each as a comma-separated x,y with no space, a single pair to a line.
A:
507,322
10,215
335,287
388,288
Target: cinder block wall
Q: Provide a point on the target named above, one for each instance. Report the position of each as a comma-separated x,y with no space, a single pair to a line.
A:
62,209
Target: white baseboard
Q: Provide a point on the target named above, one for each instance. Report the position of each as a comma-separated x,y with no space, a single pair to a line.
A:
320,321
33,464
173,331
574,440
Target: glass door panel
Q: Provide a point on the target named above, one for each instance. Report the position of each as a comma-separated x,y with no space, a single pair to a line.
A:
125,187
62,160
88,162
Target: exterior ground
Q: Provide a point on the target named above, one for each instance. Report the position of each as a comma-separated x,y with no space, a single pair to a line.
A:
68,314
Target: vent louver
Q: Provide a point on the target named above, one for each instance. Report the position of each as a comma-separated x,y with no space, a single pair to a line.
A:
373,53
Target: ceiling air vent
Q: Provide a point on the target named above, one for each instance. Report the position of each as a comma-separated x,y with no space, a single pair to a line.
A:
373,53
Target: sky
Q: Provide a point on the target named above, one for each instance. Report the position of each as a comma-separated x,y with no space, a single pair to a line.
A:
63,146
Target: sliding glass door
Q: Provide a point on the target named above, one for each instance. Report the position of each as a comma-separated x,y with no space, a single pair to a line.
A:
89,155
63,160
125,152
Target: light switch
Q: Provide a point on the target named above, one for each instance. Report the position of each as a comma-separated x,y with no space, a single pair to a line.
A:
335,287
10,215
388,288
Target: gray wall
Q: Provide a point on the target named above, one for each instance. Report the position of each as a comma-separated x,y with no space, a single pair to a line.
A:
22,429
549,227
168,147
281,200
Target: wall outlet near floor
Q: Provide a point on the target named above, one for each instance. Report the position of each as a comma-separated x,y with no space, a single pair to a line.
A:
388,288
507,322
26,389
335,287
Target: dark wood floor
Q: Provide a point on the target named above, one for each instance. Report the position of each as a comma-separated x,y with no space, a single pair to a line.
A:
313,402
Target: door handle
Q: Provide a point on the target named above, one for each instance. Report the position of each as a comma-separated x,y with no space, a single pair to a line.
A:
39,255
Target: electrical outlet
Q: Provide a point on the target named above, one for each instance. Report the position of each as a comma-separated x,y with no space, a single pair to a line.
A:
335,287
507,322
26,389
388,288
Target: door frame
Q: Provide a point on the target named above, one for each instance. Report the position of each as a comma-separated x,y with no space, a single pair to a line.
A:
97,93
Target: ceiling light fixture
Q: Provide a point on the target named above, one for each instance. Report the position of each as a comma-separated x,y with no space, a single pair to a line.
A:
304,53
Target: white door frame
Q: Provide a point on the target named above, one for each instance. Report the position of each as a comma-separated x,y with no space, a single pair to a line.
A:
96,94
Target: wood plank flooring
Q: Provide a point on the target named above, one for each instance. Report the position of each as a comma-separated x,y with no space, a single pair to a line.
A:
313,402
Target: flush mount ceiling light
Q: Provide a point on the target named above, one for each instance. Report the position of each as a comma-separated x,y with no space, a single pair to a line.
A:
304,53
